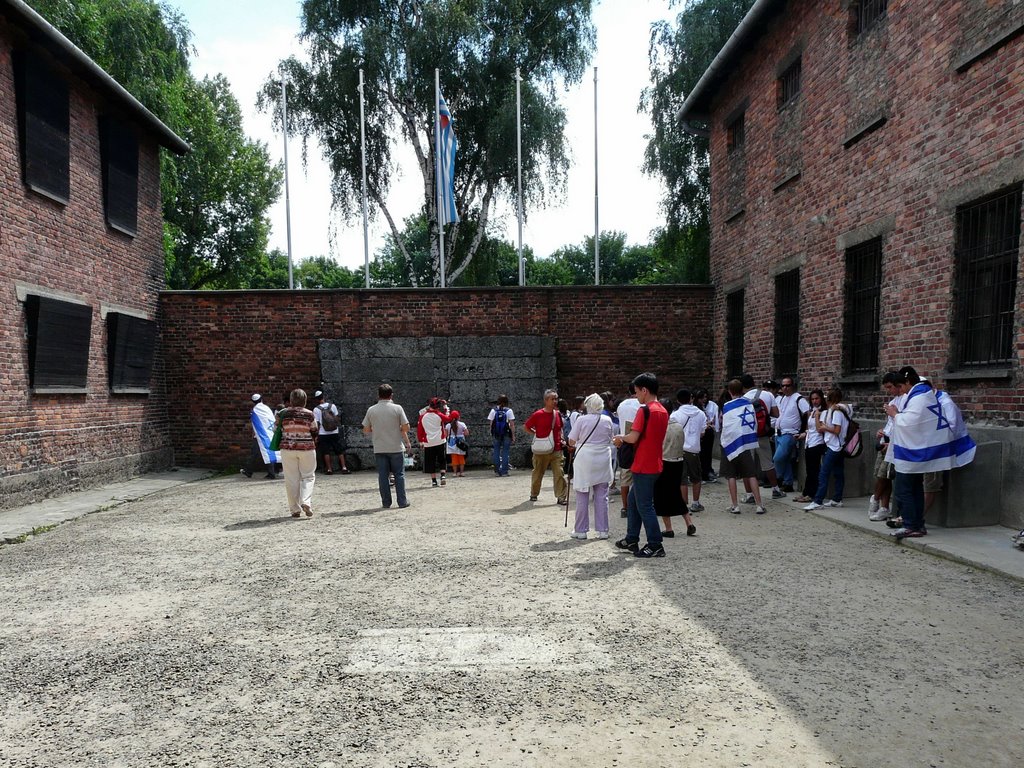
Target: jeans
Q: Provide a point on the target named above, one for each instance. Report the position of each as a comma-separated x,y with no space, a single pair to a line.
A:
831,465
499,454
908,490
785,450
641,508
391,463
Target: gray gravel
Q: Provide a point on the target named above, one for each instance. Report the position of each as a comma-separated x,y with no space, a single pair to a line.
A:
202,627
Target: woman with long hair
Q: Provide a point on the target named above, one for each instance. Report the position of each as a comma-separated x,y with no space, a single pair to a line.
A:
832,425
814,447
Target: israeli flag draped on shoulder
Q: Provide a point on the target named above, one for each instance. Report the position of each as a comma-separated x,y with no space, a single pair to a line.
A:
929,435
739,427
264,433
446,180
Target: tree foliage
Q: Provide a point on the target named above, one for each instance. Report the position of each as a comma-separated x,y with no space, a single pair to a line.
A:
679,55
477,44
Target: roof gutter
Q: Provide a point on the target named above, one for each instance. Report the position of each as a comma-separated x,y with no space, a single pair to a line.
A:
47,34
749,27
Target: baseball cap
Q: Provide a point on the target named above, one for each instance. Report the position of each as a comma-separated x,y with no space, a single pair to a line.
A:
256,398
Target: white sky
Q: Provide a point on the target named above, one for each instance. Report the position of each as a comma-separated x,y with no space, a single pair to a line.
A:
244,41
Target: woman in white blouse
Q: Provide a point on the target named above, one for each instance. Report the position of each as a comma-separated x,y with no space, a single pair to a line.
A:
591,442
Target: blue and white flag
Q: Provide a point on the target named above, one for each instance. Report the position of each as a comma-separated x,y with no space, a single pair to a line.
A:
739,427
929,435
264,430
446,181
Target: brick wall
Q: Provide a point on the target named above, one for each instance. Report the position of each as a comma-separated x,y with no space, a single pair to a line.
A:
222,346
953,133
53,443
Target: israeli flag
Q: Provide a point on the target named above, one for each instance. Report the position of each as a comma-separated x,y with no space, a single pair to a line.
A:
264,434
929,435
739,428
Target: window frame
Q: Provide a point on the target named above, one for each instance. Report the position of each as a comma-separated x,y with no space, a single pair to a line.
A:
786,356
69,343
860,289
734,331
119,159
865,15
131,349
792,73
43,104
736,132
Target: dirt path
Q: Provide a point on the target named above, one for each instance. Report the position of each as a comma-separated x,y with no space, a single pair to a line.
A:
201,628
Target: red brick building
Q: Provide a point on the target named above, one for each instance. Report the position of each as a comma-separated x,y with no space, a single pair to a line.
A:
81,265
867,161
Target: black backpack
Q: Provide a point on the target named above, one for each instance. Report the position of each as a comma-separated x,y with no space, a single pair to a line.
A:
499,427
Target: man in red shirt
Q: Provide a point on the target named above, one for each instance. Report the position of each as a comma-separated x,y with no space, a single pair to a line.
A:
648,432
545,423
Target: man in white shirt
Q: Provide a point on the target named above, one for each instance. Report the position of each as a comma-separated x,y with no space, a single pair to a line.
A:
793,409
328,441
764,448
626,411
694,421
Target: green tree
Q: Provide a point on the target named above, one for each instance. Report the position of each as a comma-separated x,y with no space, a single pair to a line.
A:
478,44
323,272
679,55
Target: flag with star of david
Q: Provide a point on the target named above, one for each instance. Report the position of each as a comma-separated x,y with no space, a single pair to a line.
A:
929,434
739,428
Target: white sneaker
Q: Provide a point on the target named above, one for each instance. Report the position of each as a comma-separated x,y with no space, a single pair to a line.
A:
602,534
578,535
872,506
879,515
831,503
734,510
748,499
760,510
813,506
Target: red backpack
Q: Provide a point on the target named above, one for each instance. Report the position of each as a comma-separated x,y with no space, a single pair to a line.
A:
763,418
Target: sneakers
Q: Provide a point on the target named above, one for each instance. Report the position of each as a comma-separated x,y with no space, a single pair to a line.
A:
813,506
696,507
631,546
433,483
748,499
578,535
691,530
443,481
734,510
760,510
650,550
1018,540
602,534
245,472
879,515
405,506
872,507
533,498
831,503
563,501
777,494
908,533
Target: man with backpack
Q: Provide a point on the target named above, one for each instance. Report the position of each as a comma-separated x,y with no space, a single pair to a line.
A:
765,409
503,434
793,409
329,441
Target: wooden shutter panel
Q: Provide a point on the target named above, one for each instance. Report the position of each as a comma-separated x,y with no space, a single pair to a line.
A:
131,342
58,342
120,152
43,123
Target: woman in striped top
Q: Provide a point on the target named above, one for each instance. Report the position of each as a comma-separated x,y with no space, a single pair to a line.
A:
298,453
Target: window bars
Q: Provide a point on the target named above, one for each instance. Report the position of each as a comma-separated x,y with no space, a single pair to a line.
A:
987,249
863,294
787,322
866,13
734,333
735,133
788,84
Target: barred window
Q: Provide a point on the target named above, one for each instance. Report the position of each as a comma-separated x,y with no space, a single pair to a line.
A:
787,322
43,101
866,13
119,150
58,343
734,333
987,249
735,132
788,84
861,310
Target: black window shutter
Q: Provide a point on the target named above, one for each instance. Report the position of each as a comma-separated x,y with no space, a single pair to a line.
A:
43,126
58,342
131,342
120,152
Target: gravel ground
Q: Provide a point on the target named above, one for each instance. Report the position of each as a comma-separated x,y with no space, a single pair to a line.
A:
203,627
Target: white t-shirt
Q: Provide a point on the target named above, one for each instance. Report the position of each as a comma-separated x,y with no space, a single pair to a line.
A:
766,397
433,428
711,411
814,437
791,407
318,414
834,417
627,411
896,402
456,429
693,421
509,416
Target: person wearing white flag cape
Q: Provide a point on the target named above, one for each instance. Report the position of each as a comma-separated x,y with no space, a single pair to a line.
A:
262,420
928,435
739,442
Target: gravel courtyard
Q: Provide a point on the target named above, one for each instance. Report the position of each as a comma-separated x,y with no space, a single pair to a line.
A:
204,627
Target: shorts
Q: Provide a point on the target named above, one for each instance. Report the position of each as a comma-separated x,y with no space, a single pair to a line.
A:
330,444
742,467
691,469
932,482
765,455
434,459
884,470
625,478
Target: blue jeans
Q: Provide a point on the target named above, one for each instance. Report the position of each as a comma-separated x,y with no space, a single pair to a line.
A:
785,450
641,508
499,453
391,463
908,490
831,465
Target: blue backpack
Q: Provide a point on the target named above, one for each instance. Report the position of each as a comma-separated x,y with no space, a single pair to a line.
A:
499,427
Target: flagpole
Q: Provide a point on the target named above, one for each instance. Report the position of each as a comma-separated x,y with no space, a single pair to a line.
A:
437,168
287,198
597,226
519,172
362,140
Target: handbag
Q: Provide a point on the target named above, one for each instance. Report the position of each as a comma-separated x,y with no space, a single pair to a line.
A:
275,441
545,444
627,451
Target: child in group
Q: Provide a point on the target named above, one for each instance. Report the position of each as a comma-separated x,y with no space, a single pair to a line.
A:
457,433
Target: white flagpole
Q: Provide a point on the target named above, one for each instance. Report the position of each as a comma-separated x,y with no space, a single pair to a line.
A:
597,226
437,167
362,139
519,166
287,198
